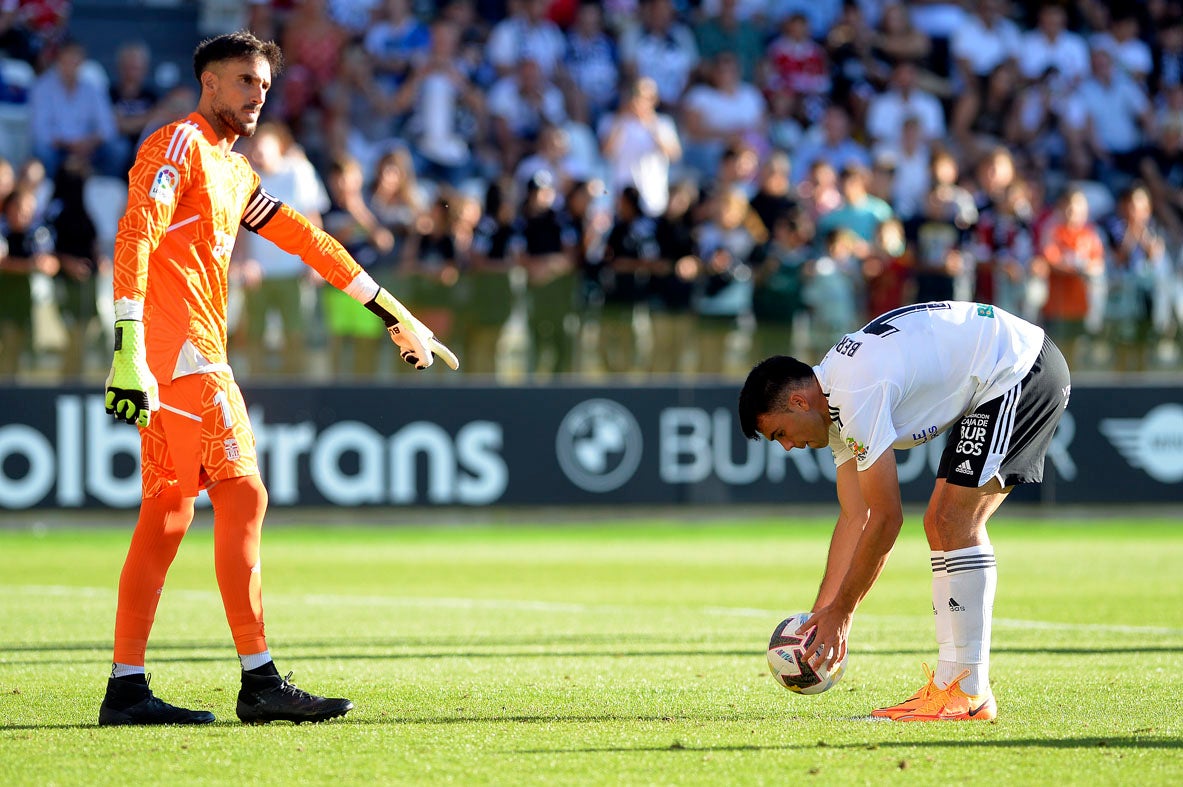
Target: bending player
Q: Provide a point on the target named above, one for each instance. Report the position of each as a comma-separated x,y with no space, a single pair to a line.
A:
998,386
189,194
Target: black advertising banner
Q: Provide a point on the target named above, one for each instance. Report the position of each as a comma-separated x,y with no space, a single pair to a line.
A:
552,445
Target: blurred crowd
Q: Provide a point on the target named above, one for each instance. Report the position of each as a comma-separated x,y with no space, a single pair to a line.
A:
634,187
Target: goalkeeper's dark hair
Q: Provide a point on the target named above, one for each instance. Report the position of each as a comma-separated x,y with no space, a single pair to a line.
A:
235,46
768,387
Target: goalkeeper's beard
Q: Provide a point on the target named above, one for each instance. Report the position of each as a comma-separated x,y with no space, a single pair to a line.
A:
240,127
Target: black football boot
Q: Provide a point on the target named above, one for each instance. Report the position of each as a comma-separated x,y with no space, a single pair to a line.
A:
265,698
132,702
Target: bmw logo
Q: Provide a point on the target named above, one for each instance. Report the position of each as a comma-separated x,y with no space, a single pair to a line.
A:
599,445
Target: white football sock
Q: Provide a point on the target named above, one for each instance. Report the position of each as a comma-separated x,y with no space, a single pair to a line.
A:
123,670
946,654
254,660
973,579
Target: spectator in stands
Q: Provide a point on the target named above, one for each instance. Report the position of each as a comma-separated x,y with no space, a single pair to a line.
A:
276,284
176,103
1072,261
519,106
725,32
526,35
860,213
496,250
312,47
822,14
71,118
724,111
1168,57
1049,127
672,283
888,269
1162,170
394,42
1117,114
1137,280
1129,53
630,252
831,290
433,262
132,95
639,145
903,99
396,199
552,159
1004,246
660,48
777,272
833,145
352,16
911,162
446,110
354,340
1051,45
76,247
27,248
549,243
985,42
797,67
774,196
591,65
726,242
848,46
942,233
896,41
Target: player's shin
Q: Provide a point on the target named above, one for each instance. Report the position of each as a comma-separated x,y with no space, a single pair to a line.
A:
973,578
162,524
947,668
239,505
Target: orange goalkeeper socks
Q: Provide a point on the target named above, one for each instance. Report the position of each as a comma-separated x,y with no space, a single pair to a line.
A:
162,524
239,505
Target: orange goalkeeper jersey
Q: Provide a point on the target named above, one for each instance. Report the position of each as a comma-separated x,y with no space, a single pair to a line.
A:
186,202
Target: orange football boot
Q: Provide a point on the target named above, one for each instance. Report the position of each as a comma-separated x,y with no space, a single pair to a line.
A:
913,702
953,704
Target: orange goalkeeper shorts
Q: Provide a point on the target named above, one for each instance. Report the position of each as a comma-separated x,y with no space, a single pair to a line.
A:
200,435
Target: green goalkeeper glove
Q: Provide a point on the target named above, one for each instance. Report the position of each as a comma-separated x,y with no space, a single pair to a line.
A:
132,394
417,344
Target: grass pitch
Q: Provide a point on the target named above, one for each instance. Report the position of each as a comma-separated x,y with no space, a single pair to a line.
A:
622,653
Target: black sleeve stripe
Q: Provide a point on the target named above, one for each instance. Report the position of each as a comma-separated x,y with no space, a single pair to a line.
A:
259,209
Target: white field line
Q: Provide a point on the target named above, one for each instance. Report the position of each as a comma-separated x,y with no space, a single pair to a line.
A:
441,602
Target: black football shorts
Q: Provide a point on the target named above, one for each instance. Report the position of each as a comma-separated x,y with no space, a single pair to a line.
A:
1008,437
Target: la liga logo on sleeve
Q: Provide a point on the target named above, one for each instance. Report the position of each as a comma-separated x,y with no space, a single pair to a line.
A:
164,185
858,449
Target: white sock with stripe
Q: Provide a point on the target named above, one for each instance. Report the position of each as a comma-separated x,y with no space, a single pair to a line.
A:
973,579
254,660
123,670
946,653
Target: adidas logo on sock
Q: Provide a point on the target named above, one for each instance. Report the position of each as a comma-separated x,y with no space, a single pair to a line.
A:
964,467
954,606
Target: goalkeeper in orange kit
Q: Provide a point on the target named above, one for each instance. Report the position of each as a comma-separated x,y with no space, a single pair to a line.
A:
189,194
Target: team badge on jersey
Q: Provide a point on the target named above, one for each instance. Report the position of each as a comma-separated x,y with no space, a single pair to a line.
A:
164,185
858,449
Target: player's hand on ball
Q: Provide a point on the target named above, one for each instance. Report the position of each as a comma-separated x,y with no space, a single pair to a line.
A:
416,343
829,644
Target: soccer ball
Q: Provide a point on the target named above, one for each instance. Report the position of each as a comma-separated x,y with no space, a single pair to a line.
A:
786,659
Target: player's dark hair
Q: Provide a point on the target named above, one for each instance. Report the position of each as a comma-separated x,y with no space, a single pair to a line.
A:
236,46
767,389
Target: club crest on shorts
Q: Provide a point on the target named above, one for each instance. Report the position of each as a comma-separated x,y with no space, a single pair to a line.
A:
164,185
232,452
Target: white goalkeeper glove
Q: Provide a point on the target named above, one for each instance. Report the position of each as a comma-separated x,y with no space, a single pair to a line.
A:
131,388
417,344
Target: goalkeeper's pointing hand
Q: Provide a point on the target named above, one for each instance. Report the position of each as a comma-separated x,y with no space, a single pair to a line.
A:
132,394
416,343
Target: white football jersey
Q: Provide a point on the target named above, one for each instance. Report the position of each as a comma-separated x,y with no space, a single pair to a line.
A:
909,374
